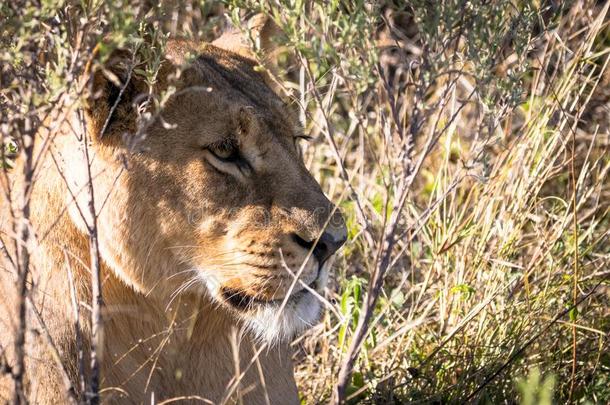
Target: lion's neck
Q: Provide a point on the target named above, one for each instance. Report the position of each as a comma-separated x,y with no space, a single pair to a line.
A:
185,348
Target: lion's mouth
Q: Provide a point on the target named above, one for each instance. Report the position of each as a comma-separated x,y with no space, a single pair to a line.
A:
244,302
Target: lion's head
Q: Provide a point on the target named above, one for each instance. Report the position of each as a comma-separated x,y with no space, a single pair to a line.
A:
213,193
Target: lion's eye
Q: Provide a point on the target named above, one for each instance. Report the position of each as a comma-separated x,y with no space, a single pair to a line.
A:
225,157
225,152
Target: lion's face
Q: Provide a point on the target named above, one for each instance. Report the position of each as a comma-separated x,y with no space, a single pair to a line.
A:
217,195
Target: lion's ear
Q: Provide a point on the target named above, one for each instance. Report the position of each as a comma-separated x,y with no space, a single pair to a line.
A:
113,92
260,32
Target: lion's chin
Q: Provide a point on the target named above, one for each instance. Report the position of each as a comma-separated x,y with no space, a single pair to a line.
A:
302,311
272,324
276,321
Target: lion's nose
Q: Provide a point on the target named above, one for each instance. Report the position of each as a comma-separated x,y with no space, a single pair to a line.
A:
330,241
328,244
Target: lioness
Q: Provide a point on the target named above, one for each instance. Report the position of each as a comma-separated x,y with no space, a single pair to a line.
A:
204,221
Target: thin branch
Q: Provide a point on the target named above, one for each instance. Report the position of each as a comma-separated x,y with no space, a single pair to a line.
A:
23,264
97,326
77,327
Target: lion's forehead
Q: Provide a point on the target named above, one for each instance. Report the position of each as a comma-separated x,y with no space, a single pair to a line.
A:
243,82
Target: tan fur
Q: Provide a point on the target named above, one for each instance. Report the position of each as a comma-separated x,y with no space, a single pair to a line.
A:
169,214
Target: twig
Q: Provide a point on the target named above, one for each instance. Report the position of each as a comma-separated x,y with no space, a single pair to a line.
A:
23,264
97,327
378,275
77,328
